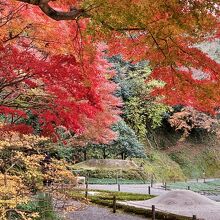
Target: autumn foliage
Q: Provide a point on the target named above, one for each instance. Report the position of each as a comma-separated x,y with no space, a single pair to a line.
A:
57,90
55,80
23,171
158,33
188,119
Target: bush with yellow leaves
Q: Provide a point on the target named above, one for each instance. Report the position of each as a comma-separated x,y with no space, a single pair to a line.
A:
23,171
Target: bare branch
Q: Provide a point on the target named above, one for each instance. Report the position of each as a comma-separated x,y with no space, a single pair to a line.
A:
73,14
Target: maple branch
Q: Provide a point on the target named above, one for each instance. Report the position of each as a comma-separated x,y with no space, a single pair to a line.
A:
15,81
157,44
105,24
11,15
12,37
73,14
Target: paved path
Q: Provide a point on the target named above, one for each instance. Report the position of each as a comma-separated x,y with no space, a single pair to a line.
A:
93,212
142,189
132,188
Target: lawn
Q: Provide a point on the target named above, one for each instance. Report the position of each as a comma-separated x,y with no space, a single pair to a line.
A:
94,195
209,186
106,181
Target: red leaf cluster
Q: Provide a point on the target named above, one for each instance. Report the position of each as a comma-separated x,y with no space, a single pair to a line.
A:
59,91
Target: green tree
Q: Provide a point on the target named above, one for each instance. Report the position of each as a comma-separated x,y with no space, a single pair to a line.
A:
127,144
142,110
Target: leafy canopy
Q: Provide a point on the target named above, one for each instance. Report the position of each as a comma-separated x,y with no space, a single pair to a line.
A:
163,32
57,61
55,88
141,110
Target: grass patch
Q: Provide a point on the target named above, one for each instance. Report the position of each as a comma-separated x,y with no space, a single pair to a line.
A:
108,195
147,213
43,205
211,186
110,174
106,181
200,160
160,166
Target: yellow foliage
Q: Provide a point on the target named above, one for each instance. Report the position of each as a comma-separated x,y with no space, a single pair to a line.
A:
14,140
23,171
12,193
58,171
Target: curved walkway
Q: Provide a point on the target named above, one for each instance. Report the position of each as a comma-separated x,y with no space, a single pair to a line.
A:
93,212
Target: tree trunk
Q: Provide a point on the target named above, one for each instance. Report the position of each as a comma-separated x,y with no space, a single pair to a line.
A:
85,155
122,155
104,153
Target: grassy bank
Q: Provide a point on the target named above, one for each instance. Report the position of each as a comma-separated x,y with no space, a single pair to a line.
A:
158,165
197,161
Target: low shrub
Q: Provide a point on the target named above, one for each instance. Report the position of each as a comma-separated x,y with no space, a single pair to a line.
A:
43,205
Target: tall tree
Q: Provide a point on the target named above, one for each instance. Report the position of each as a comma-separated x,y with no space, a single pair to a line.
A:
141,110
58,92
125,145
188,119
163,32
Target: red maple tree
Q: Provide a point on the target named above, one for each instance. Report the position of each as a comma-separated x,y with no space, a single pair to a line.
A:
56,89
70,34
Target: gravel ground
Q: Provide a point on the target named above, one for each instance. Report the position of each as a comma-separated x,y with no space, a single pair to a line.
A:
182,202
94,212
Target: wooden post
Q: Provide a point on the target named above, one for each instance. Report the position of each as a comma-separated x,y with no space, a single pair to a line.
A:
117,178
194,217
188,187
203,177
62,188
153,212
114,204
149,190
119,188
165,186
86,192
